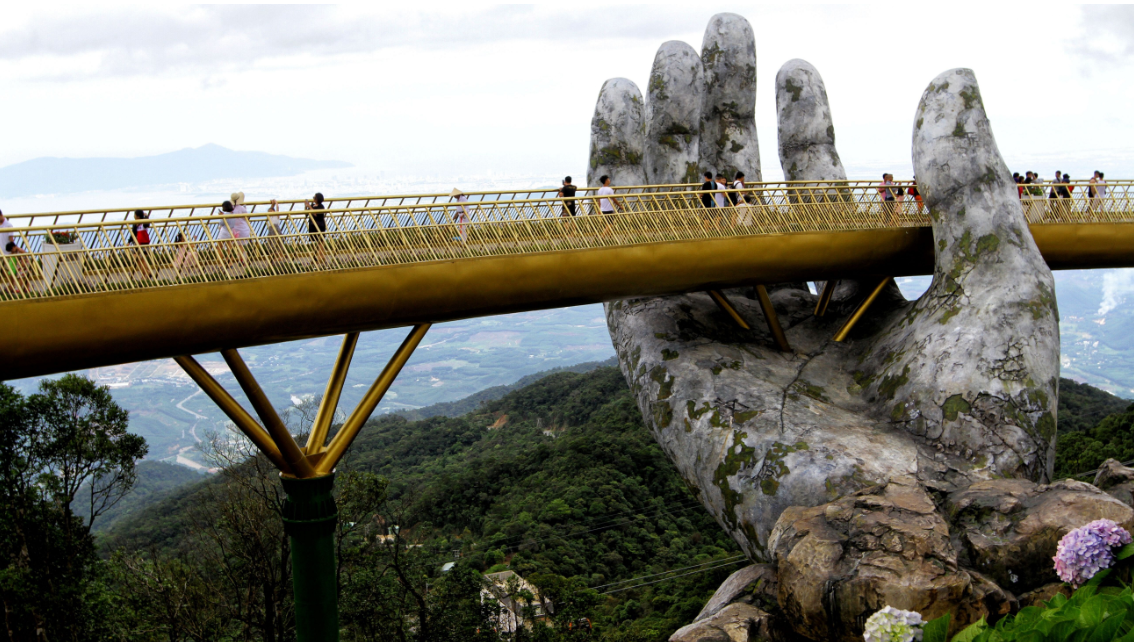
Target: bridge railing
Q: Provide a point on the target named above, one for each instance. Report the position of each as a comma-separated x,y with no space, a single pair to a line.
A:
343,203
103,256
291,205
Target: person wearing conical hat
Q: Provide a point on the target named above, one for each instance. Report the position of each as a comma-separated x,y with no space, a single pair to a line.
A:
461,215
241,229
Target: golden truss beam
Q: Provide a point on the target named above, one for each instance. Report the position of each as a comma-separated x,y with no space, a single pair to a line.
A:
277,443
726,306
319,428
295,459
841,335
239,416
772,319
825,296
365,408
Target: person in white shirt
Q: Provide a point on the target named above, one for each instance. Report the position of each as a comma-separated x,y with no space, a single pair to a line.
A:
719,196
744,210
461,214
608,205
274,230
1096,191
737,184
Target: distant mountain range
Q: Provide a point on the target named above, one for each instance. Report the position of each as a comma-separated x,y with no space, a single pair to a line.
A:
208,162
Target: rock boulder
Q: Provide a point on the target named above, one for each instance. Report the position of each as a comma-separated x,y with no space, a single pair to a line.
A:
1008,529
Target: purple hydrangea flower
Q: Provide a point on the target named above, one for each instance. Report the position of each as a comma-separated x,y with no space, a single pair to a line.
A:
1087,550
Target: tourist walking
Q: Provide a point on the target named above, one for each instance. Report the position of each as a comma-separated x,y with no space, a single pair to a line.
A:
567,192
185,255
1096,192
14,269
241,229
608,204
1033,197
720,195
707,187
737,185
140,239
274,231
227,238
744,210
913,191
317,225
889,199
461,213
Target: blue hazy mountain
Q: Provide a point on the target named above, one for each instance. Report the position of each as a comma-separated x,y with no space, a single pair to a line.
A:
209,162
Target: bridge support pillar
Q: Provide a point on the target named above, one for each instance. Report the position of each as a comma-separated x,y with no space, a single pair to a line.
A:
724,304
307,475
862,308
825,297
773,320
309,517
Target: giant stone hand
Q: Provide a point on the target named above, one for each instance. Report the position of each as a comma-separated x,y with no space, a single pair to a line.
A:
926,398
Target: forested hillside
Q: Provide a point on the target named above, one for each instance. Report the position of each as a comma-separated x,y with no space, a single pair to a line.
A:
557,480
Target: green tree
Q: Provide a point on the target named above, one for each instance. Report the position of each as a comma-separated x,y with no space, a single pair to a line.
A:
68,436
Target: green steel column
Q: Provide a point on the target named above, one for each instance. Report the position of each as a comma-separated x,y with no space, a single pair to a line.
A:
309,517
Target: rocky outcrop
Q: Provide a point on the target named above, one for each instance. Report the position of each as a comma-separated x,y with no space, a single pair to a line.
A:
673,115
734,623
805,127
728,114
887,545
1008,529
618,135
1117,480
755,584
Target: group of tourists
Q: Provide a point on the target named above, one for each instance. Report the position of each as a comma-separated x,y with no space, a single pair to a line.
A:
1030,187
237,230
717,191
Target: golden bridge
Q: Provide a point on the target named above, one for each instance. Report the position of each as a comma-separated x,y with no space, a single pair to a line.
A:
84,295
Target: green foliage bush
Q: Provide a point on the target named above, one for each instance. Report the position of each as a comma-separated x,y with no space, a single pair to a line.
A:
1089,615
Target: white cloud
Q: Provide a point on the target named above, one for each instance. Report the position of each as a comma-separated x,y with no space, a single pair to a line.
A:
1106,34
215,39
1117,284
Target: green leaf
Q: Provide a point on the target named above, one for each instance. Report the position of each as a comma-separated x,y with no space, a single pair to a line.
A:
936,630
1030,636
1098,578
971,631
1124,552
1062,630
1027,617
1108,630
1091,612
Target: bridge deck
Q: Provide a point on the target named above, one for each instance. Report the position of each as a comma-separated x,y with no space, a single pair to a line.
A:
99,300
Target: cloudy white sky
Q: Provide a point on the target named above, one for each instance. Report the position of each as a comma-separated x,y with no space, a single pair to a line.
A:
467,88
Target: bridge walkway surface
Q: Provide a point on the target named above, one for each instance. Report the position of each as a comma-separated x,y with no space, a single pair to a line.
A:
85,296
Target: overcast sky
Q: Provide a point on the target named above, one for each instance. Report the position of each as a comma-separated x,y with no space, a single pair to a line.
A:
512,89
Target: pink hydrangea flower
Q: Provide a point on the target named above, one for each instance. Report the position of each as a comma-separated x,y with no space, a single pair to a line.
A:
1087,550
